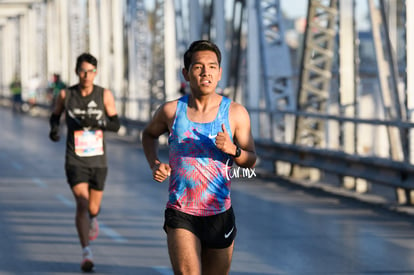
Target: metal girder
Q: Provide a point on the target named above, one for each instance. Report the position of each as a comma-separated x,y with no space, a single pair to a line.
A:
182,37
157,81
315,73
76,30
138,61
410,70
348,82
11,11
382,171
206,26
20,2
348,71
388,74
3,21
163,82
276,66
315,78
170,52
182,31
233,73
10,8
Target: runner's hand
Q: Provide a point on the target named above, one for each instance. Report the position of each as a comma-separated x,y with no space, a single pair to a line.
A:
92,122
161,171
88,122
224,143
54,134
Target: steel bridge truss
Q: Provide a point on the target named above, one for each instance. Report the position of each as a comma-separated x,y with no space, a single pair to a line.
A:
277,79
157,81
316,73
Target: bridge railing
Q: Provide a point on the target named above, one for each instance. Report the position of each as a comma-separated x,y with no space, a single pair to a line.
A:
376,170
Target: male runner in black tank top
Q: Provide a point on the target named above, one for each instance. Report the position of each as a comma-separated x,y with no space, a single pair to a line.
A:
89,111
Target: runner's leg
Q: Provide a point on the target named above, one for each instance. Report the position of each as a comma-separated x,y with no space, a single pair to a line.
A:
95,199
216,261
184,249
81,194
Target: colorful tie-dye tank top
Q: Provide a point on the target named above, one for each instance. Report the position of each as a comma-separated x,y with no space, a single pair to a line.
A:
199,183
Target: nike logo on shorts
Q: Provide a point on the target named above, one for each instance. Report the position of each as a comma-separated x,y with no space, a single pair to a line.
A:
226,235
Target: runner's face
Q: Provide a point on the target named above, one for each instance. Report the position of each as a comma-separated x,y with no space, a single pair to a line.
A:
204,72
86,74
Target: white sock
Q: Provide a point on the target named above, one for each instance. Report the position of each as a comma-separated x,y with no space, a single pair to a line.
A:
87,250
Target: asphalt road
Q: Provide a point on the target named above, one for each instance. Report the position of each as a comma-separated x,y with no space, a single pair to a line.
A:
282,228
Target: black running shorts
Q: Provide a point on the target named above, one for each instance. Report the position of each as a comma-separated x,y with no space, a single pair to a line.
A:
94,176
217,231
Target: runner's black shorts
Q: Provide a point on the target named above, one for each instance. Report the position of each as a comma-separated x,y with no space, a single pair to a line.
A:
95,176
217,231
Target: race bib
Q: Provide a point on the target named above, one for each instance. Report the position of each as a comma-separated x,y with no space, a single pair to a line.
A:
89,143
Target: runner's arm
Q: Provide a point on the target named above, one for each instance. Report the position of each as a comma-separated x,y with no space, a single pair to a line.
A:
112,122
243,137
154,129
54,120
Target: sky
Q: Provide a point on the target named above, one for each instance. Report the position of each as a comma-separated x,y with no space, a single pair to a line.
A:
298,8
294,8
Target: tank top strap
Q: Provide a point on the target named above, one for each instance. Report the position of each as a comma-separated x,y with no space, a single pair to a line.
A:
182,105
99,90
68,95
223,116
223,112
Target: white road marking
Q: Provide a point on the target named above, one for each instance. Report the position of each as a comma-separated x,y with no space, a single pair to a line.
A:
39,182
163,270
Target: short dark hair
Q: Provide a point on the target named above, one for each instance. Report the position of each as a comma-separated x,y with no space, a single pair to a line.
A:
86,57
200,45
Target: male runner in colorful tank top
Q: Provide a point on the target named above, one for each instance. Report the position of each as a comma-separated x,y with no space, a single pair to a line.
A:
89,111
207,132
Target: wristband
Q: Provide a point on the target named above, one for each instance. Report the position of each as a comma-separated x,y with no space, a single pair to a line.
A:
238,152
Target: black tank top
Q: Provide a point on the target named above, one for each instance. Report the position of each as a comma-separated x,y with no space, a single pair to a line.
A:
84,146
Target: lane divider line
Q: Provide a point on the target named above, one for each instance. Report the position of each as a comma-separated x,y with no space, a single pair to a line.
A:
39,182
163,270
65,201
17,166
112,233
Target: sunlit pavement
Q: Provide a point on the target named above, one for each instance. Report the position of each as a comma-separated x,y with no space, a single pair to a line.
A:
282,229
